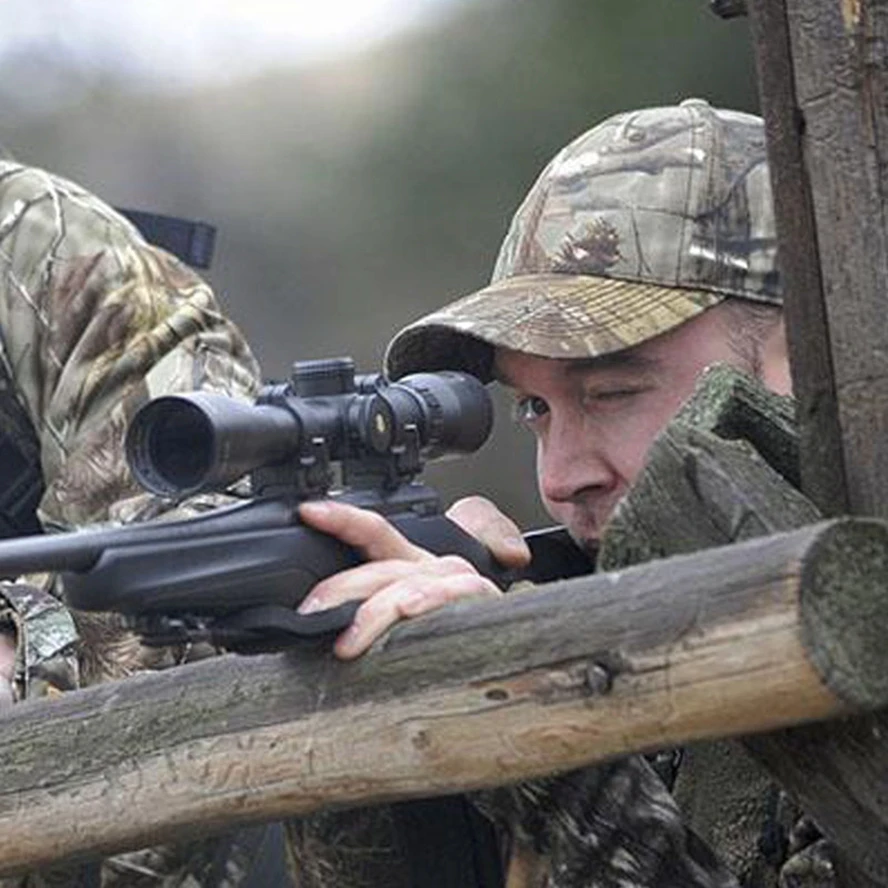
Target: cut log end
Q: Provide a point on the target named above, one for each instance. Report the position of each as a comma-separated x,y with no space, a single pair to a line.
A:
844,609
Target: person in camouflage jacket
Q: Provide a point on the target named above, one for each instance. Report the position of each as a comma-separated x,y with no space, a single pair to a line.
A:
93,322
645,251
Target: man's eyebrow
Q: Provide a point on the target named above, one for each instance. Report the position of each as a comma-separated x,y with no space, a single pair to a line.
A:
621,360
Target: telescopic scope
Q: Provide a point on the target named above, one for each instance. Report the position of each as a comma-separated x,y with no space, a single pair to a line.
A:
178,445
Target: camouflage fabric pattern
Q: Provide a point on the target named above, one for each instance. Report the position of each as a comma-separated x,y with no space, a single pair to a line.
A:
47,661
635,227
358,848
610,826
93,322
613,826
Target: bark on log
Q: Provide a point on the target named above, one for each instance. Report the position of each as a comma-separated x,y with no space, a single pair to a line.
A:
478,694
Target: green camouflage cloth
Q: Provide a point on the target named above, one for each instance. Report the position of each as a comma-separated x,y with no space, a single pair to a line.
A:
93,322
635,227
611,826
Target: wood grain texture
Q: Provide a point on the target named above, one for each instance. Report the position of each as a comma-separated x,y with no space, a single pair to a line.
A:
799,240
822,82
822,72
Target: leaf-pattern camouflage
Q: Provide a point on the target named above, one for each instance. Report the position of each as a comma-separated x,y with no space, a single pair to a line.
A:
93,322
47,661
638,225
610,826
613,826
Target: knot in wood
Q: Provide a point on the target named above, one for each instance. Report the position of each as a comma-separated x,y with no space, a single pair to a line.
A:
599,679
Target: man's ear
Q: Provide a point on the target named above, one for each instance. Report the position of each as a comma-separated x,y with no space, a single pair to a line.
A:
775,360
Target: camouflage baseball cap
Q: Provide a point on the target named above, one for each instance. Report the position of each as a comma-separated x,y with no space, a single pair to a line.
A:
637,226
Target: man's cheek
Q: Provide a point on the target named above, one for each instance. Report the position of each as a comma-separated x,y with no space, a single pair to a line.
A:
638,440
634,456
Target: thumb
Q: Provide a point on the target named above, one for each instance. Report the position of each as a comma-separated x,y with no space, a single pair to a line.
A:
484,521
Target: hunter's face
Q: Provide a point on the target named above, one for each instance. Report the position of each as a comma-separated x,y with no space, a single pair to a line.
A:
595,419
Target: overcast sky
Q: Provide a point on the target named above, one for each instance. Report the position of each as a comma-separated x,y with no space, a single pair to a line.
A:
180,41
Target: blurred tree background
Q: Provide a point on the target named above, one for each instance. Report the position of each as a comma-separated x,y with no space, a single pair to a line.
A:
355,194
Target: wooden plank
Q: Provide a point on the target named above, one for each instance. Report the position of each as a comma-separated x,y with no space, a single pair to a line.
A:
822,83
811,357
822,72
481,693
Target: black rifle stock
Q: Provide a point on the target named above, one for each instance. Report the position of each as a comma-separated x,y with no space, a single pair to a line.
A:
235,575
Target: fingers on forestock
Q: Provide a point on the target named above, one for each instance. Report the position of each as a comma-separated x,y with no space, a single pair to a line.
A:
366,531
409,598
356,583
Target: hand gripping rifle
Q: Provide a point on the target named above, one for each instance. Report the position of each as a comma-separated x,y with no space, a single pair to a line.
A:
235,575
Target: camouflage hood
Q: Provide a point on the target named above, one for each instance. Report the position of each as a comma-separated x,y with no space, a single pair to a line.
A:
638,225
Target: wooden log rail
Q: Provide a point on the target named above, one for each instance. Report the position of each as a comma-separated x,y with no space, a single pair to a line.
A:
745,638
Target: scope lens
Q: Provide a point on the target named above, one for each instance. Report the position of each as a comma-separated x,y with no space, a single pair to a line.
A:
170,445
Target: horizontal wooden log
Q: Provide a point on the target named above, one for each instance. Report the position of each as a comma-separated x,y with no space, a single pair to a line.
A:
481,693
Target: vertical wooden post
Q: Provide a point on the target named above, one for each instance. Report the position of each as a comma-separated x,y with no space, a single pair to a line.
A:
822,67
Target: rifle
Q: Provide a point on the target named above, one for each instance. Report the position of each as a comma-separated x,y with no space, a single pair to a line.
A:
234,576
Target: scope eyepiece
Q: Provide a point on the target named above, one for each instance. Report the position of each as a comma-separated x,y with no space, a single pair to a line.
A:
457,413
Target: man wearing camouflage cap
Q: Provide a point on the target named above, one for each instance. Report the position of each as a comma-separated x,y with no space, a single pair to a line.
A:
644,253
93,322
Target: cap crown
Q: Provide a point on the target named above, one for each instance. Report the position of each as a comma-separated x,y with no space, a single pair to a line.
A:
676,196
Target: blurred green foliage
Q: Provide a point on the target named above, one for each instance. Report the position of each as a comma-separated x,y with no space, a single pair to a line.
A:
356,195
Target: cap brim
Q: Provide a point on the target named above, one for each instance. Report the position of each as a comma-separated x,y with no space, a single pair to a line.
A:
548,315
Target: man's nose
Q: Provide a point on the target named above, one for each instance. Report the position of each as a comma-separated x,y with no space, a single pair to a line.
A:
570,464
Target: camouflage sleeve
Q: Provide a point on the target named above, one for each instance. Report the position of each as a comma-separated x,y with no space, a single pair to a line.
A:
808,859
46,650
609,826
93,322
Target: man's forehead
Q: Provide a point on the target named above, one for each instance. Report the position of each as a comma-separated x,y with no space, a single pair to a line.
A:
508,363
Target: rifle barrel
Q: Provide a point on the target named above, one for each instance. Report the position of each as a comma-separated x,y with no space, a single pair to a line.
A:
78,551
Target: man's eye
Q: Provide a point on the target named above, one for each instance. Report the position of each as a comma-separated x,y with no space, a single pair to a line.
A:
615,394
528,410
